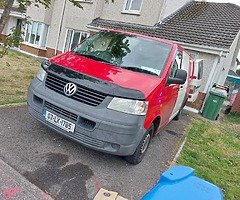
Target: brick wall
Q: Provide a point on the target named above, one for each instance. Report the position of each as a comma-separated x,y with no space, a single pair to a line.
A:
33,50
199,102
236,104
2,38
51,52
48,53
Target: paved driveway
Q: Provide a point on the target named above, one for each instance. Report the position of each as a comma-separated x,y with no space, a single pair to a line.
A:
67,170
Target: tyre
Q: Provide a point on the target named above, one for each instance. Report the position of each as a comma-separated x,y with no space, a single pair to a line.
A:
177,117
141,150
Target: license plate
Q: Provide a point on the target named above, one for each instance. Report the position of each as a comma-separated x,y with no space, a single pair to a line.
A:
60,122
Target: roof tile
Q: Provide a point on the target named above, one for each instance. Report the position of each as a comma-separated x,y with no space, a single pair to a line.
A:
201,23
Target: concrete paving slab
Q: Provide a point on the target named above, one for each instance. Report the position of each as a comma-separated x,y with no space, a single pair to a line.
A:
14,186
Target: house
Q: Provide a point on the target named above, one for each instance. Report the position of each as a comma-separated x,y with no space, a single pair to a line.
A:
63,26
209,31
15,20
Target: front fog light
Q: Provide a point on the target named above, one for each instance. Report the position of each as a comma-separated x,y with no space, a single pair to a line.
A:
41,74
134,107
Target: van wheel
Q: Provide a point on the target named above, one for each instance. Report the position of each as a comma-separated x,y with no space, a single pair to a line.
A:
141,150
177,117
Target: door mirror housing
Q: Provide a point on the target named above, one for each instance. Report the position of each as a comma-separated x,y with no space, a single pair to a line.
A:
180,77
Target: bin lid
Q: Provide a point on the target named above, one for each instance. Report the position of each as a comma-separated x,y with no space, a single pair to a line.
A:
180,183
234,79
219,92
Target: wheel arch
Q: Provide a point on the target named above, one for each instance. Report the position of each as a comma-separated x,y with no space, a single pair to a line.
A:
156,123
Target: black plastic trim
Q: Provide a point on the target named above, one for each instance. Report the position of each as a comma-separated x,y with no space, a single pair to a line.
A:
93,83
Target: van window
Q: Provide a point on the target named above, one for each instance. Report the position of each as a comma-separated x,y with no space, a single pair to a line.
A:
177,64
130,52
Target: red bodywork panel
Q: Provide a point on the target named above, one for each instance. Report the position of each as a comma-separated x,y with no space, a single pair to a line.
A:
161,98
116,75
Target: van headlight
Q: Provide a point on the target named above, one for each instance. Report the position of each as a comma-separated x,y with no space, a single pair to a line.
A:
42,71
41,74
134,107
45,64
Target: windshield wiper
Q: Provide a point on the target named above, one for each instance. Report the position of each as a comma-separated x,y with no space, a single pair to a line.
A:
93,57
137,69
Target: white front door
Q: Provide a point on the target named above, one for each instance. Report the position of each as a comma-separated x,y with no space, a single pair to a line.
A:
196,80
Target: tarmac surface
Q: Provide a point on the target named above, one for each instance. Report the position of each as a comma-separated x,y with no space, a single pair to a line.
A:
68,171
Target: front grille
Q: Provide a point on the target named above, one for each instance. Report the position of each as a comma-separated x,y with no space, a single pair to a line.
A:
61,111
84,95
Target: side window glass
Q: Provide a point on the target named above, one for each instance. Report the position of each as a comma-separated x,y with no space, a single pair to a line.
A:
174,69
177,64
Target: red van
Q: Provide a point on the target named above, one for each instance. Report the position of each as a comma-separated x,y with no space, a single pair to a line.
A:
113,92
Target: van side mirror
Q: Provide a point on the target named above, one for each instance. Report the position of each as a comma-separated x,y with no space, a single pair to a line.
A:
180,77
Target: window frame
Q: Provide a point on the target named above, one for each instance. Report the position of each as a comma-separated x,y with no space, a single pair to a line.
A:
129,11
71,39
175,57
40,42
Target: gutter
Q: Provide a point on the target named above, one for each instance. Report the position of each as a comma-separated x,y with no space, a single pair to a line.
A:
60,26
95,29
206,49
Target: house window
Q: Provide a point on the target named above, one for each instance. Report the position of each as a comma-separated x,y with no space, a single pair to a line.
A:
133,6
73,38
36,33
19,24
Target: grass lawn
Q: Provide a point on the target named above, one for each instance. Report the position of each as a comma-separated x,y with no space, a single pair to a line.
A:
213,149
16,72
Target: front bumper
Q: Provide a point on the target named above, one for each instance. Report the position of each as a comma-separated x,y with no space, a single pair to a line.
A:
109,131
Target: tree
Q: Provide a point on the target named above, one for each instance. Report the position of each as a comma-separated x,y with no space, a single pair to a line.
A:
13,39
6,12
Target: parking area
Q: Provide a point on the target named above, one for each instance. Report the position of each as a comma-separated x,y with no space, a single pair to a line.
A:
67,170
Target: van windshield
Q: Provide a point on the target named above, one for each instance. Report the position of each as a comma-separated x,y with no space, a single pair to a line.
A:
126,51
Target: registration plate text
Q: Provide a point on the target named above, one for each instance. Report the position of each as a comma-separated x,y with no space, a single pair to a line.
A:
60,122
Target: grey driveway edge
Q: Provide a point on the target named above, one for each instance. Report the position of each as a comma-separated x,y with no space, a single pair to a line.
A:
14,186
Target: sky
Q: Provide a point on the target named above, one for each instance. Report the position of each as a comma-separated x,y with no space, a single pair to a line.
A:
228,1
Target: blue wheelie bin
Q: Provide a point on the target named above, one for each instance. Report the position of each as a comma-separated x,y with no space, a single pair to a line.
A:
180,183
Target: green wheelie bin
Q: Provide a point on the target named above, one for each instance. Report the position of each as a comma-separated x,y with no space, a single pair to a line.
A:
214,103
